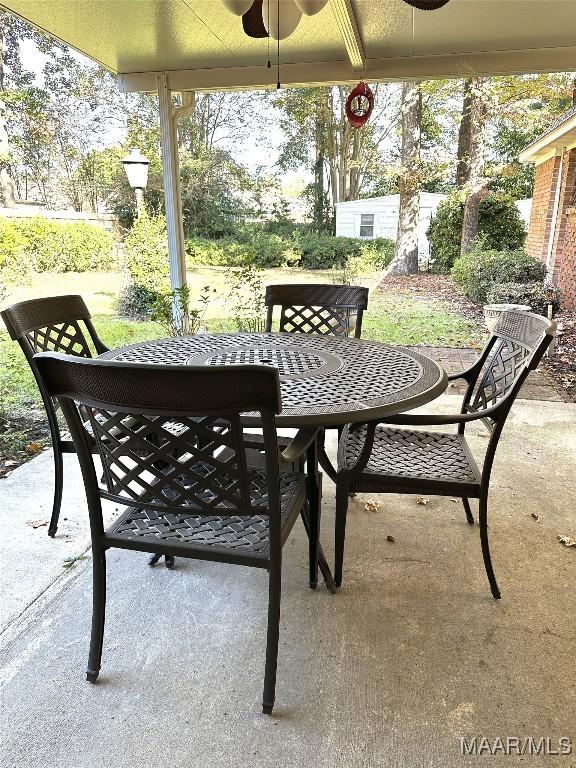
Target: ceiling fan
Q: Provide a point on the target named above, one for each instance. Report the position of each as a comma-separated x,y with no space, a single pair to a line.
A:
279,18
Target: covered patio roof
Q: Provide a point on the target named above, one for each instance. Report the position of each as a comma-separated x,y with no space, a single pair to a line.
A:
198,45
201,45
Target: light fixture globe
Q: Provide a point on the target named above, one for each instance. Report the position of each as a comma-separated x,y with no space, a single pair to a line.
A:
237,7
311,7
136,167
281,17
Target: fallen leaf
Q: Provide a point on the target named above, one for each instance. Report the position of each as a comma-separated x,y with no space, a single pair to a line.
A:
33,448
422,500
568,541
371,506
391,539
37,523
535,516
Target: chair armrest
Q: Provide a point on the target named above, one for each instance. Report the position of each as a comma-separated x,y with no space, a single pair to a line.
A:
469,374
299,445
429,420
100,347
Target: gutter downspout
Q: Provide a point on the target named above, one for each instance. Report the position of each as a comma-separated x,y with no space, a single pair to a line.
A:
555,210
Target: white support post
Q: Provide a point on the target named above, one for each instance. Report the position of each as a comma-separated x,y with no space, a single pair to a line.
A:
171,168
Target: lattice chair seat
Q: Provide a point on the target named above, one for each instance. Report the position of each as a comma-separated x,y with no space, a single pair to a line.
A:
405,458
246,534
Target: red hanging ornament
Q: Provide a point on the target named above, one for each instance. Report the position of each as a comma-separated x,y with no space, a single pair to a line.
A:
359,105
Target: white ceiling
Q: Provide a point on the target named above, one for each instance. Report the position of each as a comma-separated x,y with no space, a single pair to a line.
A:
202,46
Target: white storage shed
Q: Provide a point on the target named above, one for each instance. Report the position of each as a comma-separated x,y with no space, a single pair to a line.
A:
378,217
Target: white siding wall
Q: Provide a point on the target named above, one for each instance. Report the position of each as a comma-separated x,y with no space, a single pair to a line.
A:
385,211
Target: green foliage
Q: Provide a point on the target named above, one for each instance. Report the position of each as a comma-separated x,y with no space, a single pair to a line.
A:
43,245
479,270
326,252
12,248
247,298
500,227
308,250
536,295
146,265
262,249
188,319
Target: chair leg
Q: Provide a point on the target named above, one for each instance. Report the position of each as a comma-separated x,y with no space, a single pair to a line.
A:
274,593
340,531
98,613
58,485
314,497
469,515
483,519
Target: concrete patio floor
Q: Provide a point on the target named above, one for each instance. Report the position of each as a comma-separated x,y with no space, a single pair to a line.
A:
411,655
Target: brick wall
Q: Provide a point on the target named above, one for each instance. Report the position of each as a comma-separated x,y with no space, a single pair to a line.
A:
542,208
567,271
567,190
563,259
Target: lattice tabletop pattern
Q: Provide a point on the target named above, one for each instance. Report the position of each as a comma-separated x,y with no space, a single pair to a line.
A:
325,380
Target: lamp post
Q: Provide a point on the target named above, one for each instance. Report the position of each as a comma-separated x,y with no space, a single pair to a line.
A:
136,167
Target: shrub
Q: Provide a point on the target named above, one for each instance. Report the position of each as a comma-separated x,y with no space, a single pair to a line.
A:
261,249
325,251
479,270
377,253
500,228
146,265
308,250
536,295
44,245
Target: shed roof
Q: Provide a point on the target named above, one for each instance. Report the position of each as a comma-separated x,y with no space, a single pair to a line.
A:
202,46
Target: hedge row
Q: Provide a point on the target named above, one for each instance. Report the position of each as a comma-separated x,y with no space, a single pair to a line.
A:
308,251
43,245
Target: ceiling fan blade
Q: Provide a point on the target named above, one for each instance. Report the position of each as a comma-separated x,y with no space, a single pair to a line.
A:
252,21
426,5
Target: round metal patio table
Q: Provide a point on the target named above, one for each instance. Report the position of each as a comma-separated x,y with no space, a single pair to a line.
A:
325,380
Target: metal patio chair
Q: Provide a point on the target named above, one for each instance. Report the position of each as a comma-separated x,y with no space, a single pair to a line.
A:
53,324
374,458
316,308
173,451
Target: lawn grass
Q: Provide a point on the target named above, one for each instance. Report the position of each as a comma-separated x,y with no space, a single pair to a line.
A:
396,317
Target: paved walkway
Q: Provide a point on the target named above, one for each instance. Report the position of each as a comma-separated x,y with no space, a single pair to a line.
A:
539,385
410,657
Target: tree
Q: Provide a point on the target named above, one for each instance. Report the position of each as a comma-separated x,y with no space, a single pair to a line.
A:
345,162
473,148
405,261
12,30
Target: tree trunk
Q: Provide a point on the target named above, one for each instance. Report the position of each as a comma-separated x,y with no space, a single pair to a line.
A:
464,137
476,184
6,183
405,261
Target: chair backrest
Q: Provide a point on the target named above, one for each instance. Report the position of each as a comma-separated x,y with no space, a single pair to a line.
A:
170,437
52,324
315,308
517,345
